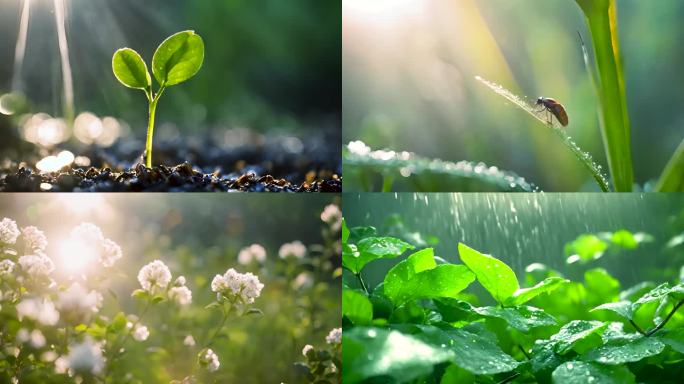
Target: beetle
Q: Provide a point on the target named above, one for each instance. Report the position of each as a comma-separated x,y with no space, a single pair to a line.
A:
555,108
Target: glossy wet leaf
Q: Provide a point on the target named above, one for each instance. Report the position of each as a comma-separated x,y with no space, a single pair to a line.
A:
494,275
601,286
675,339
625,349
374,352
471,351
456,375
575,332
623,308
579,372
584,248
372,248
130,69
419,276
656,294
523,295
357,307
544,360
522,318
178,58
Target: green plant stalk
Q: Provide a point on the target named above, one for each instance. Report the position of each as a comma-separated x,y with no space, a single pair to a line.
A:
672,178
150,125
602,20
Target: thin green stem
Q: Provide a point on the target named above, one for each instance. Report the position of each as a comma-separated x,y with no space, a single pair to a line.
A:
218,330
637,327
363,285
150,125
669,316
672,178
387,182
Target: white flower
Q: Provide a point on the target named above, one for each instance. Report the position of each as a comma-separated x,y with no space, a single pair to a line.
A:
210,360
303,280
42,311
333,216
141,333
111,252
85,358
77,303
294,249
251,253
8,231
189,341
334,337
182,295
307,348
34,239
37,266
358,147
180,281
154,274
244,286
61,365
6,267
88,233
35,338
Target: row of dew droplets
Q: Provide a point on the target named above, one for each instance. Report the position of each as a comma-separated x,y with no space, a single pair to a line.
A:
584,157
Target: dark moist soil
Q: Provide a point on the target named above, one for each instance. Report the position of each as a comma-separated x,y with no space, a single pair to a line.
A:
313,165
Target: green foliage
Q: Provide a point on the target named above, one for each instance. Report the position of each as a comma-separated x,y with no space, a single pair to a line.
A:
355,257
412,328
601,17
177,59
588,247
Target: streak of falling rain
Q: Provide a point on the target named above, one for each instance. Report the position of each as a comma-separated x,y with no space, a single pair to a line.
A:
521,229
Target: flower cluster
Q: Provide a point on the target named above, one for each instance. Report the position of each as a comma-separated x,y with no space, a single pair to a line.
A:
209,360
77,304
294,249
235,286
334,337
154,276
155,279
34,239
37,266
332,216
97,247
9,232
254,252
322,363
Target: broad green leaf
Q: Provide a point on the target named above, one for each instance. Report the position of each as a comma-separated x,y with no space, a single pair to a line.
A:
586,247
623,308
372,248
625,349
601,286
456,375
624,239
419,277
522,318
579,372
356,307
118,323
372,352
358,233
675,241
675,339
471,351
494,275
544,360
130,69
345,231
575,332
178,58
523,295
655,294
140,294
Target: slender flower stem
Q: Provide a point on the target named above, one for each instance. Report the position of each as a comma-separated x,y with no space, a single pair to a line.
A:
218,330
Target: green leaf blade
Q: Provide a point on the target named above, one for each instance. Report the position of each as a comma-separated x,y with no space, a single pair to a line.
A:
523,295
420,277
357,307
130,69
623,308
178,58
522,318
579,372
494,275
368,249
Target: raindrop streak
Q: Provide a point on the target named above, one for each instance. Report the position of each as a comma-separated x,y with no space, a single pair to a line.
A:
20,48
584,157
67,80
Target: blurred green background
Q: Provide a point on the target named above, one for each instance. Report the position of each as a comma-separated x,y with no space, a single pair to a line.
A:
199,236
530,228
269,64
409,68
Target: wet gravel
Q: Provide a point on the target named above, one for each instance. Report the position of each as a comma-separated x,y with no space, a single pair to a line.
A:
274,163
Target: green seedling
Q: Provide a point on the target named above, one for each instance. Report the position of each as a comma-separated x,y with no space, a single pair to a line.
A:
177,59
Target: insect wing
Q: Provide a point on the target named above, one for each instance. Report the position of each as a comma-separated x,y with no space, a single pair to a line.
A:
559,111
